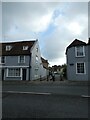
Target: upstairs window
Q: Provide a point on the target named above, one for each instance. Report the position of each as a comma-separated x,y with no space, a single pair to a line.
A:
80,51
25,47
36,72
21,59
37,49
2,59
8,48
36,59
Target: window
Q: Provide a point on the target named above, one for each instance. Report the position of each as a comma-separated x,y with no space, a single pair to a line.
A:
80,52
36,59
13,72
37,49
2,59
36,72
25,47
21,59
80,68
8,48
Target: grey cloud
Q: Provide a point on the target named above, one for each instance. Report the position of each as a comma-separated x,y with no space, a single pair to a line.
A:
19,13
77,8
55,44
24,14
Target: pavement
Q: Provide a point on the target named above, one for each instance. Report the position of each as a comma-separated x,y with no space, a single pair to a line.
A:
64,82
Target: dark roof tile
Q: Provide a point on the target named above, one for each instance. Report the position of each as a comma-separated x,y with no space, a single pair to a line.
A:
76,42
17,48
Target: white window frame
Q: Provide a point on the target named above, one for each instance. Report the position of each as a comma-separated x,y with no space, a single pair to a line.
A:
13,76
37,59
37,49
83,51
8,47
19,59
25,47
1,59
36,72
84,68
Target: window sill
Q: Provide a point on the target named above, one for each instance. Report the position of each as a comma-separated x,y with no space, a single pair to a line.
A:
80,73
14,76
79,56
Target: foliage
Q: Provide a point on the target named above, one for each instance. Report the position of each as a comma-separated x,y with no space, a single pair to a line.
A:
64,70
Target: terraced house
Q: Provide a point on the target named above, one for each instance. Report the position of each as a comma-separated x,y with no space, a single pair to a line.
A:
21,61
78,60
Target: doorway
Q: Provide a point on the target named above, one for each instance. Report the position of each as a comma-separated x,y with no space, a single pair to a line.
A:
2,74
23,74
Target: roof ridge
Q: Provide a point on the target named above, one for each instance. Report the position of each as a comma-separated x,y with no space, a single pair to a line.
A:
76,42
16,42
17,48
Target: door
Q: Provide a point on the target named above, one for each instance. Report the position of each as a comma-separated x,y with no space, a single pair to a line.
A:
2,74
24,74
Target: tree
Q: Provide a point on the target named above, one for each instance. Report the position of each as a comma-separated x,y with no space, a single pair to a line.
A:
64,70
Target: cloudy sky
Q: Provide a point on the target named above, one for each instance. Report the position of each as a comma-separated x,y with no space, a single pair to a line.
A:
54,24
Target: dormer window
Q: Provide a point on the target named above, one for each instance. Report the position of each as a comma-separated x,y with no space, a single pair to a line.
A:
8,47
25,47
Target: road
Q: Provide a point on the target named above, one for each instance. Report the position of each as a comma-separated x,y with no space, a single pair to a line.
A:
48,87
46,99
43,106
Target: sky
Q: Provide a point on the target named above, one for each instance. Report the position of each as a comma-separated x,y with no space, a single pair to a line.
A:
54,24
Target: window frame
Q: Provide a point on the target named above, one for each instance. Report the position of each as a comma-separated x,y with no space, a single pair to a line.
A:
13,73
84,68
8,47
36,59
36,72
37,49
82,51
25,47
20,60
1,60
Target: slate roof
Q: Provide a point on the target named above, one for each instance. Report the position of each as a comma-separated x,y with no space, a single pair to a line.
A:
45,63
17,48
43,60
76,42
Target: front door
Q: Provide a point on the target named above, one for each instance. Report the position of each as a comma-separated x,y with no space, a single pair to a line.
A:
24,74
2,74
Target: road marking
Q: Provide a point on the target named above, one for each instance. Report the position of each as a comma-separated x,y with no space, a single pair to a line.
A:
38,93
85,96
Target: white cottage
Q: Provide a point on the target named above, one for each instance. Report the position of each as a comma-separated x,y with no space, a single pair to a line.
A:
20,60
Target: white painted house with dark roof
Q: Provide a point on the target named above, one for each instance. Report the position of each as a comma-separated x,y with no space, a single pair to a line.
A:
78,61
20,60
